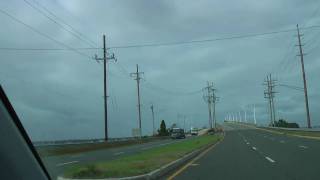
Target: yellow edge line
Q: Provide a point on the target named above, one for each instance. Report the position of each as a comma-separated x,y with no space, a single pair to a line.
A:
193,160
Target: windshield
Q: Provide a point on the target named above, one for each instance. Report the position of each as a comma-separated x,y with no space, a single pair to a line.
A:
177,130
101,86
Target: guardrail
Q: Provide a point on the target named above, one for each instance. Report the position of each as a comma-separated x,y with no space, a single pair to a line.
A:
88,141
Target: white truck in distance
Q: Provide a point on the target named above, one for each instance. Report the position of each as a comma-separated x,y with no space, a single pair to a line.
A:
194,131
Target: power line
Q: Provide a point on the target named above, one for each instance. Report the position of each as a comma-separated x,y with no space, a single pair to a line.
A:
291,87
209,40
63,21
169,92
44,49
42,34
57,23
159,44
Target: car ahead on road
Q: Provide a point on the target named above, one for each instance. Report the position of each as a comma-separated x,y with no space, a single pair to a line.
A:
194,131
177,133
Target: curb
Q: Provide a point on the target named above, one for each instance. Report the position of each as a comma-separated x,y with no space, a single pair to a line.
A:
156,174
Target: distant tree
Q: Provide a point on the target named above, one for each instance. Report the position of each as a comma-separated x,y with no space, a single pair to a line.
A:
285,124
163,129
174,125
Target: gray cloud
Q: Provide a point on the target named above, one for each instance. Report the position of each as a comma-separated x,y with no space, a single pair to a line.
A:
58,95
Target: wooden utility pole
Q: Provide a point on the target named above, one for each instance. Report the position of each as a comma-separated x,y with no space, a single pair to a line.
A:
272,84
153,131
137,76
304,78
215,99
269,94
105,94
208,98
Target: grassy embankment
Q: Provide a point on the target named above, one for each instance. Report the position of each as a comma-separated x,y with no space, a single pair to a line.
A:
315,134
141,163
81,148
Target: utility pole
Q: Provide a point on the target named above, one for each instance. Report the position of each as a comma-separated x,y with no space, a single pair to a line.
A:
215,99
254,114
153,131
137,76
245,116
105,60
269,94
184,123
208,98
304,77
272,85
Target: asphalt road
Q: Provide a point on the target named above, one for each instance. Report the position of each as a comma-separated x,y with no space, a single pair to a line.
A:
57,164
248,153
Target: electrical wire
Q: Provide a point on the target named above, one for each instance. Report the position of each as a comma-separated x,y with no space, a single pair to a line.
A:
57,23
209,40
42,34
181,42
292,87
43,49
63,21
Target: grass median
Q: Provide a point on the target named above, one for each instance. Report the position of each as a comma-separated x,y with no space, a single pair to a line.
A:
141,163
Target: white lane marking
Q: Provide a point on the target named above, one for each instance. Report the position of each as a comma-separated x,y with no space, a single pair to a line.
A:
304,147
282,141
248,143
269,159
194,164
265,136
61,164
254,148
118,153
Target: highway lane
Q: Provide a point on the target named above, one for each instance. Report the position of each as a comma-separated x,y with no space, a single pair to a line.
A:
248,153
57,164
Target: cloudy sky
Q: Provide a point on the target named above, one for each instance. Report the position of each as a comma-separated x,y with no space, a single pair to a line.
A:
58,94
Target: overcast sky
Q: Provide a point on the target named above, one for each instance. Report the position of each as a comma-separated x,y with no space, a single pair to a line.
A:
59,94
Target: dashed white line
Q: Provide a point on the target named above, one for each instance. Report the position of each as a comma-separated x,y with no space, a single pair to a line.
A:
254,148
269,159
282,141
248,143
304,147
118,153
62,164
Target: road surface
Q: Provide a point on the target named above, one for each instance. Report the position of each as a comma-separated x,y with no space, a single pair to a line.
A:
57,164
248,153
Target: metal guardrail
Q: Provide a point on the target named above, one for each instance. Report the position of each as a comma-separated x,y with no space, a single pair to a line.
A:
88,141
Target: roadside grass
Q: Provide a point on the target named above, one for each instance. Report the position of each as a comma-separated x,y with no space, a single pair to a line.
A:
300,133
141,163
80,148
